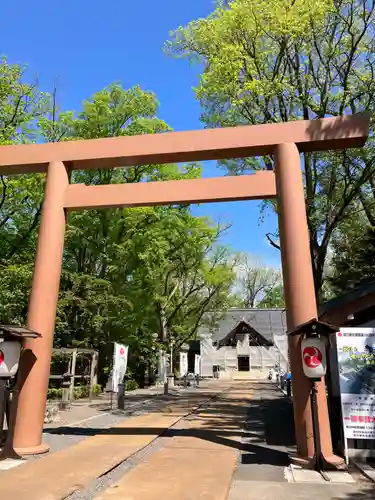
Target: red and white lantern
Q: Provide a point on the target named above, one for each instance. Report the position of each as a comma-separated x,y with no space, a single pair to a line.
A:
9,358
314,358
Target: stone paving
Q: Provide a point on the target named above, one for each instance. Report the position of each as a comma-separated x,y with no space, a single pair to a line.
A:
263,471
292,491
83,410
223,441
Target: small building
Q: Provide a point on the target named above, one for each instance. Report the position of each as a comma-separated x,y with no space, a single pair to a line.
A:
244,340
351,309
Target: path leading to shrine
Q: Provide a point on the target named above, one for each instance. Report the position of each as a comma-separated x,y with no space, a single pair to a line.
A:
222,441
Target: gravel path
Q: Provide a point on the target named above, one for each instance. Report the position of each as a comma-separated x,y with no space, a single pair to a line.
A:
113,476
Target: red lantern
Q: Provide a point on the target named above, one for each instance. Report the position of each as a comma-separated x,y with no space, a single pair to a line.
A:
9,357
314,359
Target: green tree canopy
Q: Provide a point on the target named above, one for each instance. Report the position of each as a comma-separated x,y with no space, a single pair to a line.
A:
274,297
22,105
282,60
142,275
352,256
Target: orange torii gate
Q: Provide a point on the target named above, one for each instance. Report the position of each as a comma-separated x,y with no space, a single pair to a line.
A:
284,141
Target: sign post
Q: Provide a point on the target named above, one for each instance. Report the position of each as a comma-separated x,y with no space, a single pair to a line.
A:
314,362
356,362
120,363
184,367
197,364
183,364
163,378
197,368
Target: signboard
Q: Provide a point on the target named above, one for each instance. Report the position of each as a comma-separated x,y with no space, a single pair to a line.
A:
162,367
183,364
9,358
314,359
197,364
120,362
356,362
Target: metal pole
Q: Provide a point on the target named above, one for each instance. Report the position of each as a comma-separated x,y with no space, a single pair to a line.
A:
319,463
121,397
3,405
288,387
73,373
171,363
8,450
92,375
165,392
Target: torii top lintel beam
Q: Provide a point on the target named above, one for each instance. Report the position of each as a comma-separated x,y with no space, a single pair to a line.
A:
341,132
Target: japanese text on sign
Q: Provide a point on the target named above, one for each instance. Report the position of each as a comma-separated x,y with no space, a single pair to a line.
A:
356,360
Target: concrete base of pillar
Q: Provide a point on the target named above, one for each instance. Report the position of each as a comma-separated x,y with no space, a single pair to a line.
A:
337,463
333,463
33,450
299,461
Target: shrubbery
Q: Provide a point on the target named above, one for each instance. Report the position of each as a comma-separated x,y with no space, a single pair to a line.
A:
80,391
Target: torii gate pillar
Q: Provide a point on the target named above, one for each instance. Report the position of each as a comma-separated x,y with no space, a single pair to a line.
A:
300,297
42,312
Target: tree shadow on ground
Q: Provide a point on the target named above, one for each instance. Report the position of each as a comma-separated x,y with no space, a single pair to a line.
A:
110,404
253,453
271,415
365,493
260,429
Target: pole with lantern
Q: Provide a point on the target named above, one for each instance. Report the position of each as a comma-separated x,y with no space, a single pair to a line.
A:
315,337
12,356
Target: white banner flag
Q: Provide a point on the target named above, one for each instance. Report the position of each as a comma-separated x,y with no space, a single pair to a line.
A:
120,362
197,365
162,367
183,364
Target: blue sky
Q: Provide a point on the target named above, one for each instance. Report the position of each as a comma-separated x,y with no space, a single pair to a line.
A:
88,44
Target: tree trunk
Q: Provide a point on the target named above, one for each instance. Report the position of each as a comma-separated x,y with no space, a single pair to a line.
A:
163,325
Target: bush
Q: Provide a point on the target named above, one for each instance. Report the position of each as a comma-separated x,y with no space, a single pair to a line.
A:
131,385
54,394
97,389
81,391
